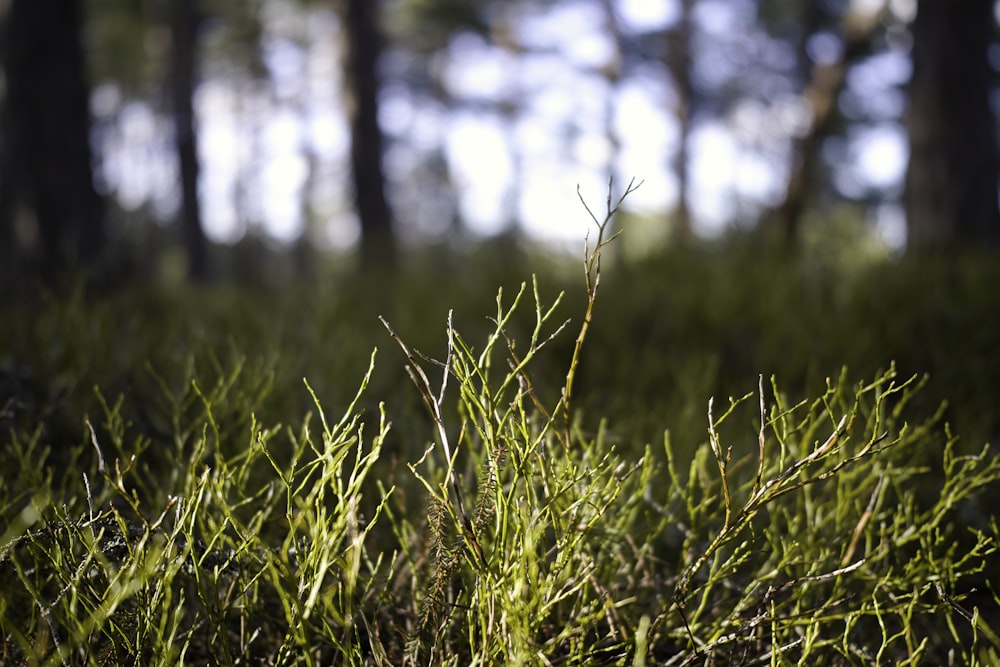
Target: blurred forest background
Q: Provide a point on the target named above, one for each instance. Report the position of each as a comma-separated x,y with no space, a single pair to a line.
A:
818,206
189,139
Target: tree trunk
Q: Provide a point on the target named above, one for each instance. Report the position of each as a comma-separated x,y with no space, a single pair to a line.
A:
49,210
824,82
185,28
363,49
951,179
679,63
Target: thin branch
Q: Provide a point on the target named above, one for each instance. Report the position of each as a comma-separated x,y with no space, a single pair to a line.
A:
592,279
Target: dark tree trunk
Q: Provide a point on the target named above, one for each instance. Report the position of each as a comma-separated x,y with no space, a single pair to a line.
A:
50,211
363,50
823,84
951,180
679,63
185,28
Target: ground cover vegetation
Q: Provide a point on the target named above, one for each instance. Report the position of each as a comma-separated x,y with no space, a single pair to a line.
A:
715,455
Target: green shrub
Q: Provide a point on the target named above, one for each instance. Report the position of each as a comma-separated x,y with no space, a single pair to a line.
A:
184,523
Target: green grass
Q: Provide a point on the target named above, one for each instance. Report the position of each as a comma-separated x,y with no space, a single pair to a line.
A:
175,493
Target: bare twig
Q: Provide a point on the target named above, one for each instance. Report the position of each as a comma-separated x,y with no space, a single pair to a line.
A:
592,279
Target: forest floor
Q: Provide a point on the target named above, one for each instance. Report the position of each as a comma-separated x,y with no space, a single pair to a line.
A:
717,454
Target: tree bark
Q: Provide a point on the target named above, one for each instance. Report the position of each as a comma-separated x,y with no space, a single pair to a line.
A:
50,210
364,46
951,179
823,85
184,73
679,62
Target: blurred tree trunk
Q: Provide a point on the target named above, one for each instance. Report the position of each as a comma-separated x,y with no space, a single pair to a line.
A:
679,62
364,46
821,87
824,82
184,22
951,179
50,213
509,107
9,252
